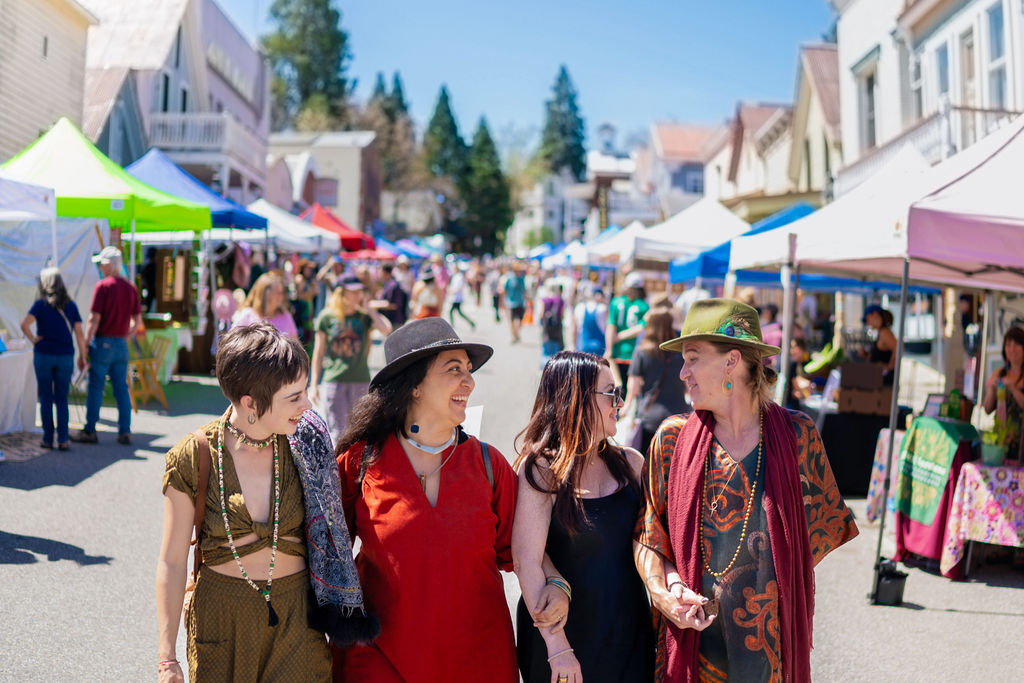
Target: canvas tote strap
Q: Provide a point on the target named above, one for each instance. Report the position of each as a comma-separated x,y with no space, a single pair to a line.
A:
204,477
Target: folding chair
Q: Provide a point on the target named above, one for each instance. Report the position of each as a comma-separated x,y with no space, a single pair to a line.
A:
144,375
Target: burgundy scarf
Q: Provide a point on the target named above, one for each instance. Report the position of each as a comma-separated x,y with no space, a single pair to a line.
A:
787,531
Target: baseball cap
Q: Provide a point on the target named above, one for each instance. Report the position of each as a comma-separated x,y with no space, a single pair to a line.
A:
107,255
634,280
351,282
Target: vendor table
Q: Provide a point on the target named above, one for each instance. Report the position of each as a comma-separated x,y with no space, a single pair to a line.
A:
180,338
988,506
18,399
876,489
931,456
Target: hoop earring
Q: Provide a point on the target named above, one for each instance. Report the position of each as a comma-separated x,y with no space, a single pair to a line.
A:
251,419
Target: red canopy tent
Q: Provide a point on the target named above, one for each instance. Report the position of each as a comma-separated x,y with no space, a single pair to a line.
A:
351,239
368,255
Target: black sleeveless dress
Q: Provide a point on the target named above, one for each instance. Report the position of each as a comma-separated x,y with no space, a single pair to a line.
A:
609,625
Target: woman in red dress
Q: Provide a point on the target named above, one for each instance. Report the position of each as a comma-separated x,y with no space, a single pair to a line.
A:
433,508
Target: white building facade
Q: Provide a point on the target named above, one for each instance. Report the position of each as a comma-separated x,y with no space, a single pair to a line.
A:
937,74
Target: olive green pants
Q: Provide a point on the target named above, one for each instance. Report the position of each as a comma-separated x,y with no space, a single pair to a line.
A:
229,638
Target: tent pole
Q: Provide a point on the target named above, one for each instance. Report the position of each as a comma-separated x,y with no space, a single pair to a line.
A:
53,241
986,333
131,251
788,314
894,407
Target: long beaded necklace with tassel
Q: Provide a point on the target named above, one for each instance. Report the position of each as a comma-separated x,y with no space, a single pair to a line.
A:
265,592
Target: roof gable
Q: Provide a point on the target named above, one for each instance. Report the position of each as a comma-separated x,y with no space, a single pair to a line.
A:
681,142
137,34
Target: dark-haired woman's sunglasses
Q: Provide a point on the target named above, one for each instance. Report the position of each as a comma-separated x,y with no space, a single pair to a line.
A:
617,395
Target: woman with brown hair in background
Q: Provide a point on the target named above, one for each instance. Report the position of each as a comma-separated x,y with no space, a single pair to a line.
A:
579,497
653,392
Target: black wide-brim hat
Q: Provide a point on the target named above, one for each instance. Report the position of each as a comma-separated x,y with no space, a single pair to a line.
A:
423,338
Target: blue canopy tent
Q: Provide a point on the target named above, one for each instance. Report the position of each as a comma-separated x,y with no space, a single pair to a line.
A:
711,266
411,249
156,168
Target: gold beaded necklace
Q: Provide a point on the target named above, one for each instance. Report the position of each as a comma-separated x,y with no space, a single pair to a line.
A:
750,505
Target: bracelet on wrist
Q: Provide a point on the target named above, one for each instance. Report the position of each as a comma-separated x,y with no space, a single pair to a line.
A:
167,662
559,582
680,582
559,654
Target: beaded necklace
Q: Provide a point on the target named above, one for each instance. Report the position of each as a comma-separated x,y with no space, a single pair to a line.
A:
750,505
241,436
265,592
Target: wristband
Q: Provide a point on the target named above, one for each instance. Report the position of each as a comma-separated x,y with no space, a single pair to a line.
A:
559,582
559,654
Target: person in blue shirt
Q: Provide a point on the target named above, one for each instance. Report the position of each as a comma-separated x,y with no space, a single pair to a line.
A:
57,322
513,289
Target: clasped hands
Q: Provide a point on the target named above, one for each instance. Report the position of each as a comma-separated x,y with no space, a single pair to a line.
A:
682,606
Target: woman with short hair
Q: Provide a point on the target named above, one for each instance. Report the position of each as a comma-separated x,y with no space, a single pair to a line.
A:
433,508
267,300
740,506
57,322
579,497
265,528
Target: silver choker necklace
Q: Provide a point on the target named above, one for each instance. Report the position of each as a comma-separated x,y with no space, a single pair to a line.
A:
434,450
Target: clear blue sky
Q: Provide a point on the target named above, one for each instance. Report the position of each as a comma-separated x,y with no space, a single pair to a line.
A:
633,62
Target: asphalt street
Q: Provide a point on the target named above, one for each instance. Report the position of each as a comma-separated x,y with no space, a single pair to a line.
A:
80,532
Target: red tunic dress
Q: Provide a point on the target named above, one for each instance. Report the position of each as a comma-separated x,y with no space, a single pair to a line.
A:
430,574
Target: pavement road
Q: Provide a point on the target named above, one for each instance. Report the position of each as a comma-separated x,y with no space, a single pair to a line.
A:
80,532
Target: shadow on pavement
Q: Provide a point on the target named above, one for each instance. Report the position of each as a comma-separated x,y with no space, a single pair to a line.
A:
69,468
18,549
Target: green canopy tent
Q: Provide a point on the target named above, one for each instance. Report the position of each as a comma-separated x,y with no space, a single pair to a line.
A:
89,185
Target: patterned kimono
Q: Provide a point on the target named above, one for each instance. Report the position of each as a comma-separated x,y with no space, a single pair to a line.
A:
743,641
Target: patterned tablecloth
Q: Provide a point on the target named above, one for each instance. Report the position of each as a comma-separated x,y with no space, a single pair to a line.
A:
988,506
876,487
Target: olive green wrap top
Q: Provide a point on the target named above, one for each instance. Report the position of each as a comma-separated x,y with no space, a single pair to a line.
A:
182,473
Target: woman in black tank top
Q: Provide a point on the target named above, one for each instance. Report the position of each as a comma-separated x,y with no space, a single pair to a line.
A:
882,350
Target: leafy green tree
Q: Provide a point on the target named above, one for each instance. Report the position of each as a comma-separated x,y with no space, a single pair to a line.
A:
309,55
488,206
443,148
562,140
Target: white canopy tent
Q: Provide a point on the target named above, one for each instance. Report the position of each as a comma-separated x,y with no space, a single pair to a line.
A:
27,202
620,245
284,225
879,235
700,226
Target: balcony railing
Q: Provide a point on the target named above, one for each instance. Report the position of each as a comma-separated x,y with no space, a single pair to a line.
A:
936,137
204,132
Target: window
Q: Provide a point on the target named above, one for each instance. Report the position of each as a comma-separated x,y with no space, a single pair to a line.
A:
916,100
695,181
996,58
807,162
177,49
184,100
165,92
942,69
828,159
46,45
867,111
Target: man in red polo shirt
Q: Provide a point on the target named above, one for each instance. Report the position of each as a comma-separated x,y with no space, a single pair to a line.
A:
114,316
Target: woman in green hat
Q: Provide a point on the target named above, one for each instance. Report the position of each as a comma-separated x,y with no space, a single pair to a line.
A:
740,505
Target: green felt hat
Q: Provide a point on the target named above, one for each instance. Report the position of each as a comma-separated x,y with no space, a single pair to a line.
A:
722,320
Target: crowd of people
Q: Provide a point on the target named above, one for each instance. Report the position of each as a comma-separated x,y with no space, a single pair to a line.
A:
709,515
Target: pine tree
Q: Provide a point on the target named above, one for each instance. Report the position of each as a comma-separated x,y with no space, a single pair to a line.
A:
488,211
561,144
399,106
380,91
309,56
443,148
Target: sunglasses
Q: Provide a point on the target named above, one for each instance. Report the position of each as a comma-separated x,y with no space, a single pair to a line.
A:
617,395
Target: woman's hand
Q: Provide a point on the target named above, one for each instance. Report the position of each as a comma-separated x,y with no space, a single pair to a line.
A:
314,395
81,362
552,610
565,668
171,673
682,607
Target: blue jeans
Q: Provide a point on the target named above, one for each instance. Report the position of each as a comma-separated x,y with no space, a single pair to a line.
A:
53,378
108,356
